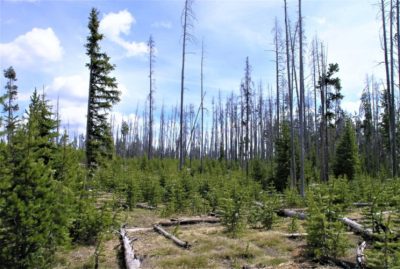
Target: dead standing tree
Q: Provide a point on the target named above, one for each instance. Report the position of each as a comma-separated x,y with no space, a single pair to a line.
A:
151,49
187,24
290,90
301,114
246,89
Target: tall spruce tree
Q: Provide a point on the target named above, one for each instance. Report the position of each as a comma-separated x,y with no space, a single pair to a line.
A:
10,107
103,93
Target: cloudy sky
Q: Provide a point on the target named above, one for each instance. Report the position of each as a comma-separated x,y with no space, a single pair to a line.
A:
44,41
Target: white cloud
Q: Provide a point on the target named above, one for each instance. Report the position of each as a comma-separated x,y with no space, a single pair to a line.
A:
162,24
73,87
37,45
72,92
351,106
113,25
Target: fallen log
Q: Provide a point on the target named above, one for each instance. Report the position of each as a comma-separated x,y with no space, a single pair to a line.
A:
177,241
354,226
292,214
294,235
360,257
138,229
361,204
131,262
145,206
189,221
358,228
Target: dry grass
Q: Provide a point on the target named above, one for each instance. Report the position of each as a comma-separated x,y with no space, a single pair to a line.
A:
211,247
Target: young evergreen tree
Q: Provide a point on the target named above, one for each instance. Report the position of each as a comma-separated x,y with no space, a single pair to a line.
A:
346,154
10,107
103,93
325,233
33,217
282,158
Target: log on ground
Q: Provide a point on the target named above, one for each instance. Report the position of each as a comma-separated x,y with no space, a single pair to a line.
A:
131,262
358,228
292,214
177,241
189,221
145,206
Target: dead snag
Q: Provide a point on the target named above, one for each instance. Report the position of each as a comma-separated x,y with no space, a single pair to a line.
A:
177,241
131,262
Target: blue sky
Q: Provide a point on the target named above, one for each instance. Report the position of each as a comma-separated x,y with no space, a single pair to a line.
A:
44,41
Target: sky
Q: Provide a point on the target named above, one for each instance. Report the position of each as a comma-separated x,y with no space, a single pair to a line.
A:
44,41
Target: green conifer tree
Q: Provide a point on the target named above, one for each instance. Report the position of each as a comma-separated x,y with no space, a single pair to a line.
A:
103,93
10,107
346,160
33,219
282,159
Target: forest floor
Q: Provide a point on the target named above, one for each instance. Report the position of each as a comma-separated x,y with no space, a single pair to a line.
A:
211,247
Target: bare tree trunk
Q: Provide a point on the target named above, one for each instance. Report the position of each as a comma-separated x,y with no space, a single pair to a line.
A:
202,109
301,114
150,45
276,41
293,162
315,75
392,100
247,111
187,15
388,84
398,39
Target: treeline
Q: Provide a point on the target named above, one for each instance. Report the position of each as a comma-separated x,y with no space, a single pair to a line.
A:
251,124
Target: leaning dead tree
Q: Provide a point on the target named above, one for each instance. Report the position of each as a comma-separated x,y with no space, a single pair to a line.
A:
131,262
